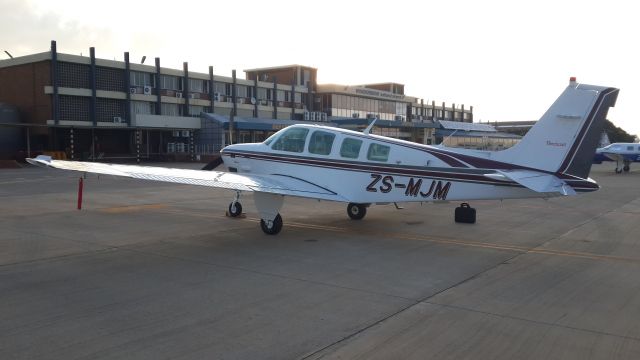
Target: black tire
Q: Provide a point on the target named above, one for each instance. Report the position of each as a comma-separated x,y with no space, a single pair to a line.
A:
235,209
356,211
626,168
618,171
276,226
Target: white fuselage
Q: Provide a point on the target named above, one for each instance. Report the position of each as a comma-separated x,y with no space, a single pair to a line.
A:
410,172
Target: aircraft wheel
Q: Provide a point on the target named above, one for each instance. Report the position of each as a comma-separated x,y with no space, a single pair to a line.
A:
271,227
356,211
235,209
618,171
626,168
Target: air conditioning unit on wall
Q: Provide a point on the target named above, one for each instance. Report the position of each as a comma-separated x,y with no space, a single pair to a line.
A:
118,120
147,90
133,90
178,94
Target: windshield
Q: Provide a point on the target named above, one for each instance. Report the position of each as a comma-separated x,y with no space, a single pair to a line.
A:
270,138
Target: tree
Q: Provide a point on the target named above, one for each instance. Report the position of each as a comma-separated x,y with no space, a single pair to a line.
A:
616,134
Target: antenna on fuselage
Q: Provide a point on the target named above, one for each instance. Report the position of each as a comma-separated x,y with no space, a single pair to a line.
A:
368,129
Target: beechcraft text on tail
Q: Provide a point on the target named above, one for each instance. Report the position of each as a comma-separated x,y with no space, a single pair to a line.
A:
358,168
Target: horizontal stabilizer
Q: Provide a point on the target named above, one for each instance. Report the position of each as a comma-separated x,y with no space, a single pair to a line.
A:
534,180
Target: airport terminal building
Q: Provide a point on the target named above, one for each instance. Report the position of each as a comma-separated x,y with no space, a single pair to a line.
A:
83,107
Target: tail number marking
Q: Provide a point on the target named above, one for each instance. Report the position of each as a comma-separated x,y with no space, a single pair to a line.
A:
437,189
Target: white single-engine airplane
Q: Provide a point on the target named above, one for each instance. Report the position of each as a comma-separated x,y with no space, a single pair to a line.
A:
622,153
358,168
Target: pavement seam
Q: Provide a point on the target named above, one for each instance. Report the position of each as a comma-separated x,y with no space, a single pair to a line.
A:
596,332
401,310
425,300
264,273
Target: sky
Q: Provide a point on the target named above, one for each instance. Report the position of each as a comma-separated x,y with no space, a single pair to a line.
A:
508,59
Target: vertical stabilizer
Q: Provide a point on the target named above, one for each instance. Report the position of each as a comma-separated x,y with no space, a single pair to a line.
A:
565,138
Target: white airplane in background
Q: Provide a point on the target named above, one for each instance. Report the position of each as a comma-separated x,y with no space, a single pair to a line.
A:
622,153
358,168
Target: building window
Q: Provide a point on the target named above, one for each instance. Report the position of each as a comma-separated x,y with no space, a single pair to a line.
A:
109,79
219,87
195,110
241,91
142,107
107,109
141,78
262,94
169,82
196,85
74,108
73,75
171,109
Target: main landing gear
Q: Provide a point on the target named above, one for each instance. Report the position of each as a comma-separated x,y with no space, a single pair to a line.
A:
268,206
356,211
625,167
271,227
465,214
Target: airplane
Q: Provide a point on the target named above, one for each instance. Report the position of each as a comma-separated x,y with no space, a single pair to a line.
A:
622,153
360,169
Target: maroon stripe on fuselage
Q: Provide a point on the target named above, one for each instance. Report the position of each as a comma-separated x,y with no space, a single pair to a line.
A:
396,170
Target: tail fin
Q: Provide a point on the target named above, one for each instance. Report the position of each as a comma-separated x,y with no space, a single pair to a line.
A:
565,138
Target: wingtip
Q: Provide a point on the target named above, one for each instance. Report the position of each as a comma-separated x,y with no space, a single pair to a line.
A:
40,160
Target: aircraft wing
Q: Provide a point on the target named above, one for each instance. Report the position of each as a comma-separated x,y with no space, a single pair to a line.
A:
613,156
534,180
274,184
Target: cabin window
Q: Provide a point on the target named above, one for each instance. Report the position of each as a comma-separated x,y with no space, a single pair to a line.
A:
378,152
630,148
321,142
291,140
350,148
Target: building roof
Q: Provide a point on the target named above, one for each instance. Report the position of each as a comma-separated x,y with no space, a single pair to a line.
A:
279,68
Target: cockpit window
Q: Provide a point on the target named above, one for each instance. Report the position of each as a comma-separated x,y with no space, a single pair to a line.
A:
378,152
350,148
291,140
321,142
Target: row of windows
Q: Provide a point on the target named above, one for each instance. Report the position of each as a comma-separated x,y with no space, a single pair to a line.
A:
368,105
78,76
321,142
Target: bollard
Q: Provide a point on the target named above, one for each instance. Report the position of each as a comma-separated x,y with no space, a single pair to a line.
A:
80,194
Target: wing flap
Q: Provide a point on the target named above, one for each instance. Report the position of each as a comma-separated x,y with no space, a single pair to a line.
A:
534,180
275,184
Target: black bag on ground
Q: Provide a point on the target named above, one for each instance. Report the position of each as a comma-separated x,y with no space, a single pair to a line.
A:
465,214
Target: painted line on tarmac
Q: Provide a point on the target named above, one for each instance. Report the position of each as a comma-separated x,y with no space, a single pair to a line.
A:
436,240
